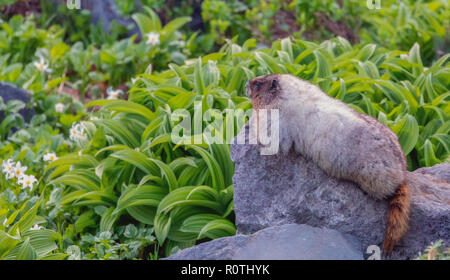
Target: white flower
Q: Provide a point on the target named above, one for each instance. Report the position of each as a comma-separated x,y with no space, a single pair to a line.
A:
6,220
27,181
113,94
8,166
77,132
42,65
94,118
50,157
19,170
36,227
59,108
152,38
9,176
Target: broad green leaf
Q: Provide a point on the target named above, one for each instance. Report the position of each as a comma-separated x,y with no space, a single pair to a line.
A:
43,241
26,251
123,106
407,131
217,229
162,226
213,166
137,159
199,83
430,157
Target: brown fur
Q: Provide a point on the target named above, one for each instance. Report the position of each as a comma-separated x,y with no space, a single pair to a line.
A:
398,217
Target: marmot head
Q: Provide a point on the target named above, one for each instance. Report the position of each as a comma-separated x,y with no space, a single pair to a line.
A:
264,91
279,91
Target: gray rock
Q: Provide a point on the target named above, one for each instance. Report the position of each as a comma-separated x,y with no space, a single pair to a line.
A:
106,12
441,171
287,242
10,92
218,249
284,189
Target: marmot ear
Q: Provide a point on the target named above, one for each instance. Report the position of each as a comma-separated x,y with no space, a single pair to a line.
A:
275,85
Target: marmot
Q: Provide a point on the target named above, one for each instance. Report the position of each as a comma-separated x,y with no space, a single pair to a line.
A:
341,141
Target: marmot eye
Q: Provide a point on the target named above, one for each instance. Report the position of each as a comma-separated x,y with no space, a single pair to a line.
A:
258,84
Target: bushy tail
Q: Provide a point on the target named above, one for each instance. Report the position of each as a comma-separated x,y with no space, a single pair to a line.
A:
398,218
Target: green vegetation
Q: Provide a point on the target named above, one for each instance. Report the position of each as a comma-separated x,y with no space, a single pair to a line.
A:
103,179
436,251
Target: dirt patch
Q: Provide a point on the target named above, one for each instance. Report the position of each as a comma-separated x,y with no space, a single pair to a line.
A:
23,7
285,24
338,28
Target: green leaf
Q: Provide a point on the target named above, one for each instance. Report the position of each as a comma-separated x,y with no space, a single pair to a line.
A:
146,195
407,131
145,23
366,52
286,46
168,174
120,131
429,155
54,257
323,71
7,243
443,139
14,106
162,226
196,223
190,196
27,220
199,83
156,22
76,160
78,181
137,159
26,251
270,63
43,241
174,25
217,229
123,106
85,220
107,57
143,214
108,219
218,180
